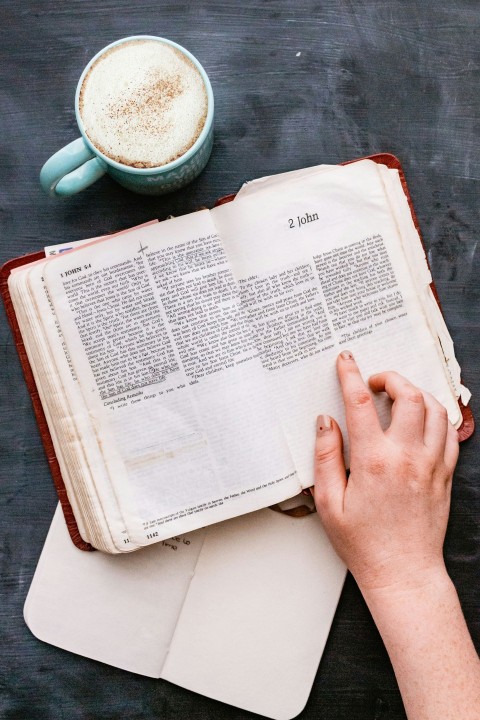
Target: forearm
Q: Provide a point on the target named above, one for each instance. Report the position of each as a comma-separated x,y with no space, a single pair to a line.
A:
435,662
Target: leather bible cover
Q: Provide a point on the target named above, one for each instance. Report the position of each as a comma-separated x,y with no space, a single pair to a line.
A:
464,431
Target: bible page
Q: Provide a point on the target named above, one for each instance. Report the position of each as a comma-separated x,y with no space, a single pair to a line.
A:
76,444
414,253
421,275
321,269
171,377
42,366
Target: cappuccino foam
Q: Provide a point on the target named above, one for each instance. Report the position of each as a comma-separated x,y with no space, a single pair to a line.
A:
143,103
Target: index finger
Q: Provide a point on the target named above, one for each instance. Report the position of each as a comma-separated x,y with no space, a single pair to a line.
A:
360,413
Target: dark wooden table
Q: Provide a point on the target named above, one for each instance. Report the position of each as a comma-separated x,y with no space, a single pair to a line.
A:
296,84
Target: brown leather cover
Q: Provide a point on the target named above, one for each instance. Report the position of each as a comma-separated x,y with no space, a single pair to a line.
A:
464,432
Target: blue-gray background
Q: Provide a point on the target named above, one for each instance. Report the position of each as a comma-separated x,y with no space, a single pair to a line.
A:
296,84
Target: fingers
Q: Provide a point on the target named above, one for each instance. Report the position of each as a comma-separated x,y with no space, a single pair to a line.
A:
360,413
417,417
452,448
436,424
329,467
408,410
439,434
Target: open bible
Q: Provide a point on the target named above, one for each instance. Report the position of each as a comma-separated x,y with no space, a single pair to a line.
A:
181,365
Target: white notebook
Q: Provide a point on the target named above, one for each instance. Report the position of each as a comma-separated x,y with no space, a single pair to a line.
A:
239,611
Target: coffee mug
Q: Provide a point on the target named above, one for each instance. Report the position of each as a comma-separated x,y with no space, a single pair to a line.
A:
82,162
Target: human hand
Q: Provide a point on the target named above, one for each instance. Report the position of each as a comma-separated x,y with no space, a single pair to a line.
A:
388,521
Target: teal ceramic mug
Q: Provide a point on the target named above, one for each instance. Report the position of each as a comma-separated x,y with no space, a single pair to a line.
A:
81,163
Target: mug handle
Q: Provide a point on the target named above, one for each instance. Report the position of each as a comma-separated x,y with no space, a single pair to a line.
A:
71,169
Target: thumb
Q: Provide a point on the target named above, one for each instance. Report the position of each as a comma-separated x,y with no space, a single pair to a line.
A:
329,468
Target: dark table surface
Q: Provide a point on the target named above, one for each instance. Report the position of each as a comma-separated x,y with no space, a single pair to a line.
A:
296,84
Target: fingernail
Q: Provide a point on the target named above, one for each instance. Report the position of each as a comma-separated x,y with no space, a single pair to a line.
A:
324,424
346,355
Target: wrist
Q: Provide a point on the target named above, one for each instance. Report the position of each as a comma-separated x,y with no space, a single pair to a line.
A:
394,601
389,579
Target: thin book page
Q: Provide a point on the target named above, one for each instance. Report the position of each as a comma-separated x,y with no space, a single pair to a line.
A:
416,259
37,351
414,253
79,448
321,268
34,317
182,394
271,181
75,448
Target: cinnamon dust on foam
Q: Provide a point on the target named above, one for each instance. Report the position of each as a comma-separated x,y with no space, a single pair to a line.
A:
147,111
